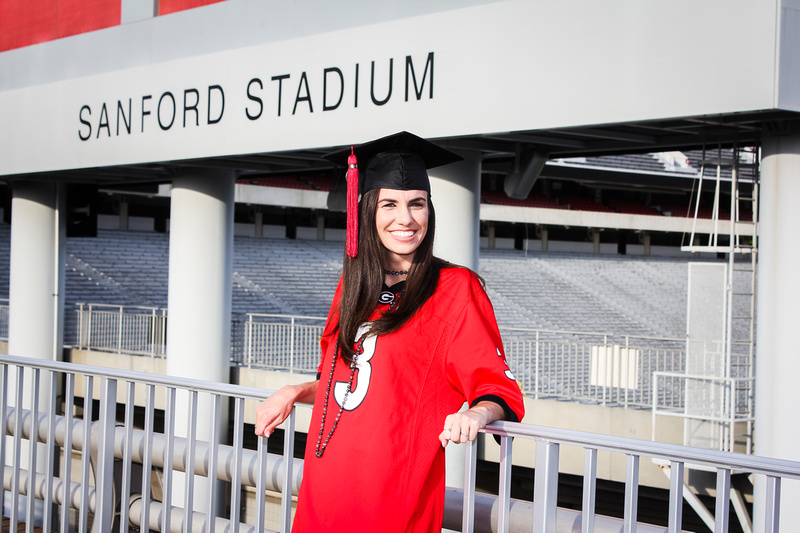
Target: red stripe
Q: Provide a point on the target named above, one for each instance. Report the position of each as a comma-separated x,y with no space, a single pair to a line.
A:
165,7
27,22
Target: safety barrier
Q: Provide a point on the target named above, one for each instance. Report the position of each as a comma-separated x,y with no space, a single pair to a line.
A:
102,494
724,421
593,367
122,329
282,342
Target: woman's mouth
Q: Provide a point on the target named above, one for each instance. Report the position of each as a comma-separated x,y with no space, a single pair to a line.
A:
405,234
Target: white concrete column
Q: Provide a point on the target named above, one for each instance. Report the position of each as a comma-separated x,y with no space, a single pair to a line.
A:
36,294
36,270
199,300
456,196
778,292
455,193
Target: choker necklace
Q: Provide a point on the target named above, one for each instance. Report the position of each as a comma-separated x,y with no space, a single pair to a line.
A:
396,272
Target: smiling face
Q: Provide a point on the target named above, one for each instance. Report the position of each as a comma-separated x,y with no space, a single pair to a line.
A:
402,222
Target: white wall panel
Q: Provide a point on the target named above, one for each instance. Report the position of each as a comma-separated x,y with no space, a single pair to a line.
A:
501,66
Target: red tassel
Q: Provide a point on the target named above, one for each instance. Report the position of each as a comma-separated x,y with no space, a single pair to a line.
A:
352,204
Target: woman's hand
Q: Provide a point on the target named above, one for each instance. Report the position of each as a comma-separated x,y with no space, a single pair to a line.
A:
277,408
464,426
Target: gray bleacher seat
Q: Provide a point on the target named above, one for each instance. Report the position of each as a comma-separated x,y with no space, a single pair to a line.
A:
546,290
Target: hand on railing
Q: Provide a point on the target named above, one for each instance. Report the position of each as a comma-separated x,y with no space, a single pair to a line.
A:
464,426
274,410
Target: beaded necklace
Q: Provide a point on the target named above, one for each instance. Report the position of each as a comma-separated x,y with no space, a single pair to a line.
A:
321,446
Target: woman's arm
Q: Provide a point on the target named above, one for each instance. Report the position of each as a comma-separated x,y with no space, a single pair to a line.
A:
464,426
275,409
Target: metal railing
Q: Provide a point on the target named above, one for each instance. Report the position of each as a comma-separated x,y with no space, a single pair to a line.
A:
596,367
30,477
122,329
586,366
724,424
282,342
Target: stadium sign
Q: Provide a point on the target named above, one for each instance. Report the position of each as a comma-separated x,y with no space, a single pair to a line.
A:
196,107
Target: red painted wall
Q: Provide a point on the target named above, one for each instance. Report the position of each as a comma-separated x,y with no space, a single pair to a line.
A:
166,7
27,22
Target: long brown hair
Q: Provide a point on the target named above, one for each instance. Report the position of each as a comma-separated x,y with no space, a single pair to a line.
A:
363,277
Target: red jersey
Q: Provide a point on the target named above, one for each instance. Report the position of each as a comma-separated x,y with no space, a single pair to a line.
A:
383,468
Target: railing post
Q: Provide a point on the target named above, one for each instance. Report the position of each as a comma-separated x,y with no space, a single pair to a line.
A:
169,446
654,403
104,481
119,334
213,456
163,332
676,476
33,446
80,325
545,487
291,348
631,493
723,500
288,474
470,469
83,513
89,326
773,505
3,426
248,339
536,367
589,490
153,326
504,496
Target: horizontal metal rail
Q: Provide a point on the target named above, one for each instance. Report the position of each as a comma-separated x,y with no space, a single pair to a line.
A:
22,380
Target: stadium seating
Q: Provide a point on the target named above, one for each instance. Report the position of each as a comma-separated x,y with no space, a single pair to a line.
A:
549,290
534,200
582,203
632,207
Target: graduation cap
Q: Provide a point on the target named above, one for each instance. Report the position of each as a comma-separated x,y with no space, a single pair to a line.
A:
399,161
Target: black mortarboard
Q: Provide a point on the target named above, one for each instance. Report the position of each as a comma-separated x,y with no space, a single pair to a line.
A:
398,161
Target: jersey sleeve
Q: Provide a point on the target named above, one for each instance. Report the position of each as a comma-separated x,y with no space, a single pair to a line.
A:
476,362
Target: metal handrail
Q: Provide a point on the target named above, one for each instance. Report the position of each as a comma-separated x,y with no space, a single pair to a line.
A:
247,467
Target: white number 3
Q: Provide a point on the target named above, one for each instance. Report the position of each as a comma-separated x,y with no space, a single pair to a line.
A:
364,367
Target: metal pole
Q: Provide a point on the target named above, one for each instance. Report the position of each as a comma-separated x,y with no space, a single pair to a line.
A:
545,491
589,490
536,368
631,493
291,348
89,328
470,470
104,471
119,334
248,339
153,326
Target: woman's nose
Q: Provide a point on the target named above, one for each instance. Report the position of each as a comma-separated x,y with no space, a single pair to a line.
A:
404,215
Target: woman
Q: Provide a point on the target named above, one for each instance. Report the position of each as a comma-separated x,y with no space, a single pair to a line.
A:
409,339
